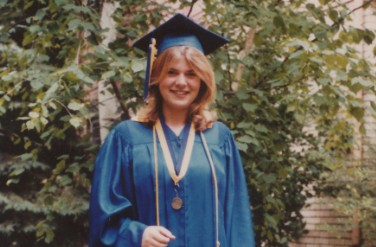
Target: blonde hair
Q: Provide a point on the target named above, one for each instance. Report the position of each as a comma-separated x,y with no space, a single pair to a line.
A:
199,111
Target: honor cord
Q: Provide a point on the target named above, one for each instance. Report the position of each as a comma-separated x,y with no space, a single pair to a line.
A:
215,184
156,177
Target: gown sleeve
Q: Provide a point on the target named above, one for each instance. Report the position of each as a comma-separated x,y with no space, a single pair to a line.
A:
110,213
238,218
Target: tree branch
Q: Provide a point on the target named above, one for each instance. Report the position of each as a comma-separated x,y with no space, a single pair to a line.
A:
365,4
247,46
342,4
191,8
229,68
124,108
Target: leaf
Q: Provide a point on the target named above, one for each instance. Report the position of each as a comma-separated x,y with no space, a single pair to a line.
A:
244,125
82,76
65,180
36,84
34,28
40,14
333,15
245,139
12,181
75,122
127,77
50,235
242,95
30,125
298,54
249,107
363,82
17,172
261,128
75,106
270,219
50,92
279,22
138,65
357,112
269,178
27,39
73,24
34,114
299,44
336,61
108,74
52,105
299,117
9,77
369,36
323,81
88,26
242,146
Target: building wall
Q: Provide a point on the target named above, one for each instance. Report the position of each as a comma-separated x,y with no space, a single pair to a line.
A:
318,216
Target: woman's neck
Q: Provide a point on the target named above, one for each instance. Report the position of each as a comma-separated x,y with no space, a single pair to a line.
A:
175,119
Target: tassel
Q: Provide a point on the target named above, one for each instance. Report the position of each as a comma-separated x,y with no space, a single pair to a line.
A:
152,53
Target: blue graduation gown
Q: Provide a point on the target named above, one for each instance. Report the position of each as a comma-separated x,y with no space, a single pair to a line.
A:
122,200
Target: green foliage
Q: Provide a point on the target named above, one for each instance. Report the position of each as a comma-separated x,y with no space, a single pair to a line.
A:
44,121
291,72
52,58
296,103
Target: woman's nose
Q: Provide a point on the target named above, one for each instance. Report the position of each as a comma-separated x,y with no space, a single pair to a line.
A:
181,80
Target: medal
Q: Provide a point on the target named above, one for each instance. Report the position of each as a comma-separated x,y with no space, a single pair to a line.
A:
177,203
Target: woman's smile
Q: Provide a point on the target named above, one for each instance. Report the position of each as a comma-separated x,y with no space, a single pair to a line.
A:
179,92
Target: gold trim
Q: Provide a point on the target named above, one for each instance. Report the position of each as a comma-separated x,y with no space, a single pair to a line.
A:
167,155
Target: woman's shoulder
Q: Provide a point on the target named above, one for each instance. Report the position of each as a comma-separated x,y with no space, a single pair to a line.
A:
219,127
218,133
134,132
131,124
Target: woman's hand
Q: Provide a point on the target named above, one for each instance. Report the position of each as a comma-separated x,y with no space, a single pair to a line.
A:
156,236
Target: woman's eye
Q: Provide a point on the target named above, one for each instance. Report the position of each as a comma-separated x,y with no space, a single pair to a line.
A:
171,72
191,74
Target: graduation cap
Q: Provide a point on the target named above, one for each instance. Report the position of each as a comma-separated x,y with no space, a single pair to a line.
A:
177,31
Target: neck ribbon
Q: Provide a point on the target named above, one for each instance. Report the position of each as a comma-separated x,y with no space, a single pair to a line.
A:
177,166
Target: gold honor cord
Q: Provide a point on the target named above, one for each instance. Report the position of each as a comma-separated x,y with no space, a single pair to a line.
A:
167,154
156,177
215,185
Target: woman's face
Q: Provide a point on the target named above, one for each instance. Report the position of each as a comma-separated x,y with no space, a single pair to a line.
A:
180,86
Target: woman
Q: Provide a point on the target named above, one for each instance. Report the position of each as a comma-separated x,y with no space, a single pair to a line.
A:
172,176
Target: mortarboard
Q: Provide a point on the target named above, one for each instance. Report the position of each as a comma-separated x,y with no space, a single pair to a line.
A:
177,31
